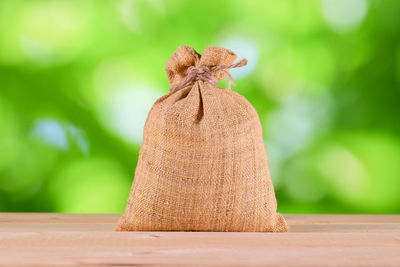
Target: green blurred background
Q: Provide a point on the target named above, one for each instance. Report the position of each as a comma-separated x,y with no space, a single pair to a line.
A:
77,79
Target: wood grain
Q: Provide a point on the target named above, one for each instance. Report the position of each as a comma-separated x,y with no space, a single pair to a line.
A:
88,239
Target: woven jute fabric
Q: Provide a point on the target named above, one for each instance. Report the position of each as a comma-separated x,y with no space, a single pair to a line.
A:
202,165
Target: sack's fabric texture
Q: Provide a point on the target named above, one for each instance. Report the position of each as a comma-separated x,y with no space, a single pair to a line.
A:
202,165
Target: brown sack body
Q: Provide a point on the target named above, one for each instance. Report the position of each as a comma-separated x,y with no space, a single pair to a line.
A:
202,165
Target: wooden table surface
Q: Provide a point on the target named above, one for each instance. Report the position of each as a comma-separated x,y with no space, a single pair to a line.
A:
89,240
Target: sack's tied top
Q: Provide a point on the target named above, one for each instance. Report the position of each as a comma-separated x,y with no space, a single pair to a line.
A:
205,73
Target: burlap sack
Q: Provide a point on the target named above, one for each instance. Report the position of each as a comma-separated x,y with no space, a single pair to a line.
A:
202,165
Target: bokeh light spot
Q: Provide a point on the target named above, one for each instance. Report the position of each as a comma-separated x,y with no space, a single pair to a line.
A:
363,169
36,50
344,15
130,15
128,111
121,101
79,138
244,48
344,169
51,29
51,132
96,185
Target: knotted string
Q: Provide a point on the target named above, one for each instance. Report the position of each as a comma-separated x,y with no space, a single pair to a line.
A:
206,73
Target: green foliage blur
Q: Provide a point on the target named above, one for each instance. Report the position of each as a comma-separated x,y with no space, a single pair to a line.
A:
77,79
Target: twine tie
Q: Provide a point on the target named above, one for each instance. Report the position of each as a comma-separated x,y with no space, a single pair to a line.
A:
206,74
